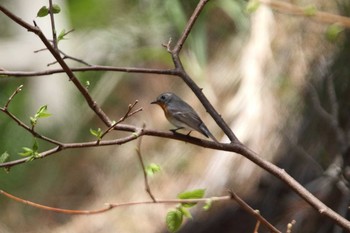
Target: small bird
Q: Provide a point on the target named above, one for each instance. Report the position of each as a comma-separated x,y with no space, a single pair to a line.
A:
180,114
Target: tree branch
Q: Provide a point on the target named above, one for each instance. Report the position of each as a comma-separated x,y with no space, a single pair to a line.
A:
253,212
92,104
145,176
187,79
19,74
320,16
111,205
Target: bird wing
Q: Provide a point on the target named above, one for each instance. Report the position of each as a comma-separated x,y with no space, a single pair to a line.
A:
189,118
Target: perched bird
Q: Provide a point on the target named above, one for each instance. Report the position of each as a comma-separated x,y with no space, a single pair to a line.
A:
180,114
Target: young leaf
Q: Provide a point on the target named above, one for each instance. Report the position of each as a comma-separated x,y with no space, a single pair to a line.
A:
35,146
252,6
208,204
33,121
61,35
4,157
174,220
152,169
97,133
26,152
197,193
43,11
56,9
333,31
185,211
310,10
87,85
42,112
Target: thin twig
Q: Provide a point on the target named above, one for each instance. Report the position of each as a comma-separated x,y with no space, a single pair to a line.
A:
189,26
257,225
139,155
82,89
126,115
11,97
167,45
329,118
19,74
66,56
53,27
110,206
319,16
253,212
290,226
30,129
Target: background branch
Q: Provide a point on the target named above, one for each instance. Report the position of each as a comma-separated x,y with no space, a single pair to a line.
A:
319,16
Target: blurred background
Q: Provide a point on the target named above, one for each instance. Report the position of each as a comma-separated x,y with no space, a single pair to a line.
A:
280,81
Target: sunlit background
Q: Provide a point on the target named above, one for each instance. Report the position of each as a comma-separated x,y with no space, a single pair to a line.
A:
271,76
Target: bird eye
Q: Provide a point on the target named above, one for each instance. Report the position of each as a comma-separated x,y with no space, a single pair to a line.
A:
162,97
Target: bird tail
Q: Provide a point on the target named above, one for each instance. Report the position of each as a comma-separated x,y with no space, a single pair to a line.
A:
205,131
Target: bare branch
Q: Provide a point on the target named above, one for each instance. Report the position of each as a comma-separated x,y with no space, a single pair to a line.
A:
127,115
253,212
187,79
290,226
189,26
319,16
66,56
18,74
147,187
92,104
110,206
11,97
53,27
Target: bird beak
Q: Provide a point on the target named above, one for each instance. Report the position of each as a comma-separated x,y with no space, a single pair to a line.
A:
154,102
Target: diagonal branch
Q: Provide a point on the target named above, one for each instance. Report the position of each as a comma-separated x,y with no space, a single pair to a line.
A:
253,212
92,104
188,80
139,155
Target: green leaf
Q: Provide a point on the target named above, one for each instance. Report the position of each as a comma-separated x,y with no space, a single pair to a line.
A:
194,194
26,152
152,169
44,11
174,220
97,133
4,157
56,9
33,121
252,6
87,85
61,35
32,152
185,212
333,31
310,10
208,204
42,112
35,146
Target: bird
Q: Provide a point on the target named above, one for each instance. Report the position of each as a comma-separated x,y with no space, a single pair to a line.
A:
181,114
